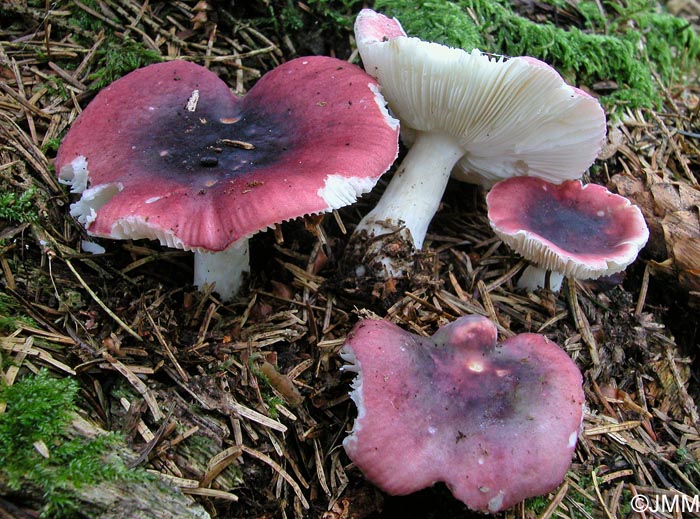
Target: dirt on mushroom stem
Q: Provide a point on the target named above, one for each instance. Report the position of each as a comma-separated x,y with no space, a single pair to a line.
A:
364,254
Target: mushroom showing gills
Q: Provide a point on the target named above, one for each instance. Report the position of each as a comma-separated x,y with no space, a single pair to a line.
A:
168,152
581,231
497,423
478,118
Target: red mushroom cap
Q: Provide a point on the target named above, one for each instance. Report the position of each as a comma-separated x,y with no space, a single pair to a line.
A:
584,231
496,422
171,153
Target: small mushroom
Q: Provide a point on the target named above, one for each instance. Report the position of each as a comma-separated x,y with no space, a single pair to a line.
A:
496,422
571,229
168,152
466,114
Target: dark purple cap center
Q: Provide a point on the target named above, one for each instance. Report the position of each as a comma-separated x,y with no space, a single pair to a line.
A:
493,385
201,143
570,225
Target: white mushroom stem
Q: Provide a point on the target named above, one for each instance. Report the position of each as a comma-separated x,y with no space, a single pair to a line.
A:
534,277
414,193
224,269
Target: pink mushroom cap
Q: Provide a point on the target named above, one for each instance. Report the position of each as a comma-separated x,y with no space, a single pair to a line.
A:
374,27
584,231
496,422
172,153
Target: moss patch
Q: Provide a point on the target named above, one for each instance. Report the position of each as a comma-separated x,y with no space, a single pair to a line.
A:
626,44
35,449
11,315
117,58
18,207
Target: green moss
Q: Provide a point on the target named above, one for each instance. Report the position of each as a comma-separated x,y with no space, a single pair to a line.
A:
667,42
39,408
291,17
268,395
688,464
83,20
119,57
585,508
55,86
672,45
18,207
328,16
436,20
595,20
115,57
51,145
536,505
633,41
10,314
273,402
625,507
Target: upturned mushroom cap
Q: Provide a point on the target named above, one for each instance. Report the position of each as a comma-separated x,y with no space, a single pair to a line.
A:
168,152
582,231
496,422
512,116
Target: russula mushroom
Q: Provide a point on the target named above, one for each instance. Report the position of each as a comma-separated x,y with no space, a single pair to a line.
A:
477,117
496,422
571,229
168,152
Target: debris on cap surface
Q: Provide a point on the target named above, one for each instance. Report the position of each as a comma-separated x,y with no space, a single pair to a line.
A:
171,141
